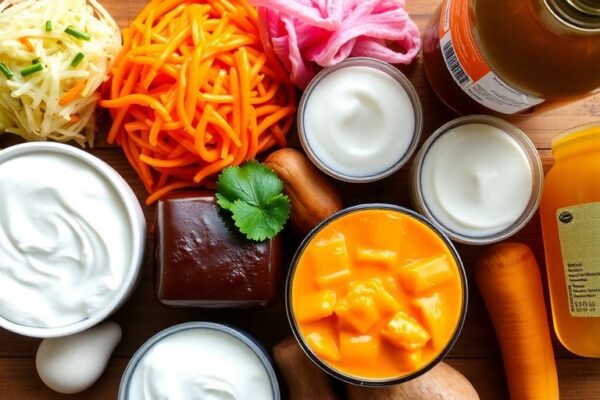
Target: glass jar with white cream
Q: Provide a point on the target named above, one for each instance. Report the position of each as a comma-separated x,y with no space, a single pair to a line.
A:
200,360
479,178
360,120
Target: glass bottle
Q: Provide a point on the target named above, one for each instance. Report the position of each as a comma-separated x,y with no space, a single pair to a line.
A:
570,214
513,56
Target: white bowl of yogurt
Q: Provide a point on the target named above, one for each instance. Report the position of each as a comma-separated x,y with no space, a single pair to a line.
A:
200,360
479,178
360,120
72,237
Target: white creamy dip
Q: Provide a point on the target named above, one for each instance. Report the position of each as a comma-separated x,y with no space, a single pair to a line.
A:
65,240
476,180
359,121
200,364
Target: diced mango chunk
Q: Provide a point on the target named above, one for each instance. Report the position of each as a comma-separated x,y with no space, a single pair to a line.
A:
410,360
331,261
375,256
364,305
357,312
315,306
359,348
334,279
430,310
385,301
405,332
323,345
425,274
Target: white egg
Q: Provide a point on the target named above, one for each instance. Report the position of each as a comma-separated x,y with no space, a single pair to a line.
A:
71,364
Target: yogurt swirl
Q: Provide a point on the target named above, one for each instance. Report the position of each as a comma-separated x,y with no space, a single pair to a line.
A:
65,243
359,121
199,364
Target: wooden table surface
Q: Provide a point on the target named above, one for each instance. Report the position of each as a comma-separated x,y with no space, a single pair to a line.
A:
476,354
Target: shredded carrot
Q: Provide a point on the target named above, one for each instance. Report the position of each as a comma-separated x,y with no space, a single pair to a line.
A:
166,190
72,94
194,91
25,42
213,168
139,99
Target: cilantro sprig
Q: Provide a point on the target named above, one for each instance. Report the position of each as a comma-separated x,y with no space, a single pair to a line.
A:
254,195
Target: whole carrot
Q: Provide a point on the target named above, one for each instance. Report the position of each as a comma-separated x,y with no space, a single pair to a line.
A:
509,280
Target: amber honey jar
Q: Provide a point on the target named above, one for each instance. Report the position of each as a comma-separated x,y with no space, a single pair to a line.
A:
513,56
570,213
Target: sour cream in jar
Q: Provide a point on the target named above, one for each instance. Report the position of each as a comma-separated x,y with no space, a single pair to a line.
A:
360,120
71,239
199,361
479,178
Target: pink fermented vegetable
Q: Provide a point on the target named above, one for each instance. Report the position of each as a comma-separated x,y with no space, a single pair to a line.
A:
303,33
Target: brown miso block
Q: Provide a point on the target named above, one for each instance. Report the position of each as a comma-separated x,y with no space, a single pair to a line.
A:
202,261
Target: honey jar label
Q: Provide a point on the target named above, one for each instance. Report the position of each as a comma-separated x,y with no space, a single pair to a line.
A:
468,66
579,234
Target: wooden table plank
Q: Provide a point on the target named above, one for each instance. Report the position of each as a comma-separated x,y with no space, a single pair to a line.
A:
579,383
476,354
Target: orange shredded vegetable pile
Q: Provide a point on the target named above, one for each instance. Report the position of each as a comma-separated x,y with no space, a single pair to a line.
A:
193,92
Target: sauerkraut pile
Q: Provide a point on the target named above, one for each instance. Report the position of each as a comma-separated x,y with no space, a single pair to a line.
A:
54,55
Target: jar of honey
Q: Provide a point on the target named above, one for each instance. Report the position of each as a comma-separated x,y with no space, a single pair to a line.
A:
570,212
513,56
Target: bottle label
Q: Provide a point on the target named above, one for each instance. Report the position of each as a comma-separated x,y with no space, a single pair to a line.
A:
579,235
468,67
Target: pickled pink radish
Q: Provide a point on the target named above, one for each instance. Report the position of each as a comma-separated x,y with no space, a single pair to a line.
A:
304,33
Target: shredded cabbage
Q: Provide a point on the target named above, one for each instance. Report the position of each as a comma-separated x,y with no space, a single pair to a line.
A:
29,106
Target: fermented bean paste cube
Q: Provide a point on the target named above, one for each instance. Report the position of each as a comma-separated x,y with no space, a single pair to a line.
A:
200,261
331,261
316,306
430,310
405,332
358,348
416,277
323,345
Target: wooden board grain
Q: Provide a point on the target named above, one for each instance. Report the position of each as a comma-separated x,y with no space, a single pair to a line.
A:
476,354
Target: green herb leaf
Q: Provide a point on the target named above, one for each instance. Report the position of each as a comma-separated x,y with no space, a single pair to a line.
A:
261,223
253,194
252,182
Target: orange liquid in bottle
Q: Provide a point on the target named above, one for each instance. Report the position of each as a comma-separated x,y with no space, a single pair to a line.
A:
524,44
570,213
